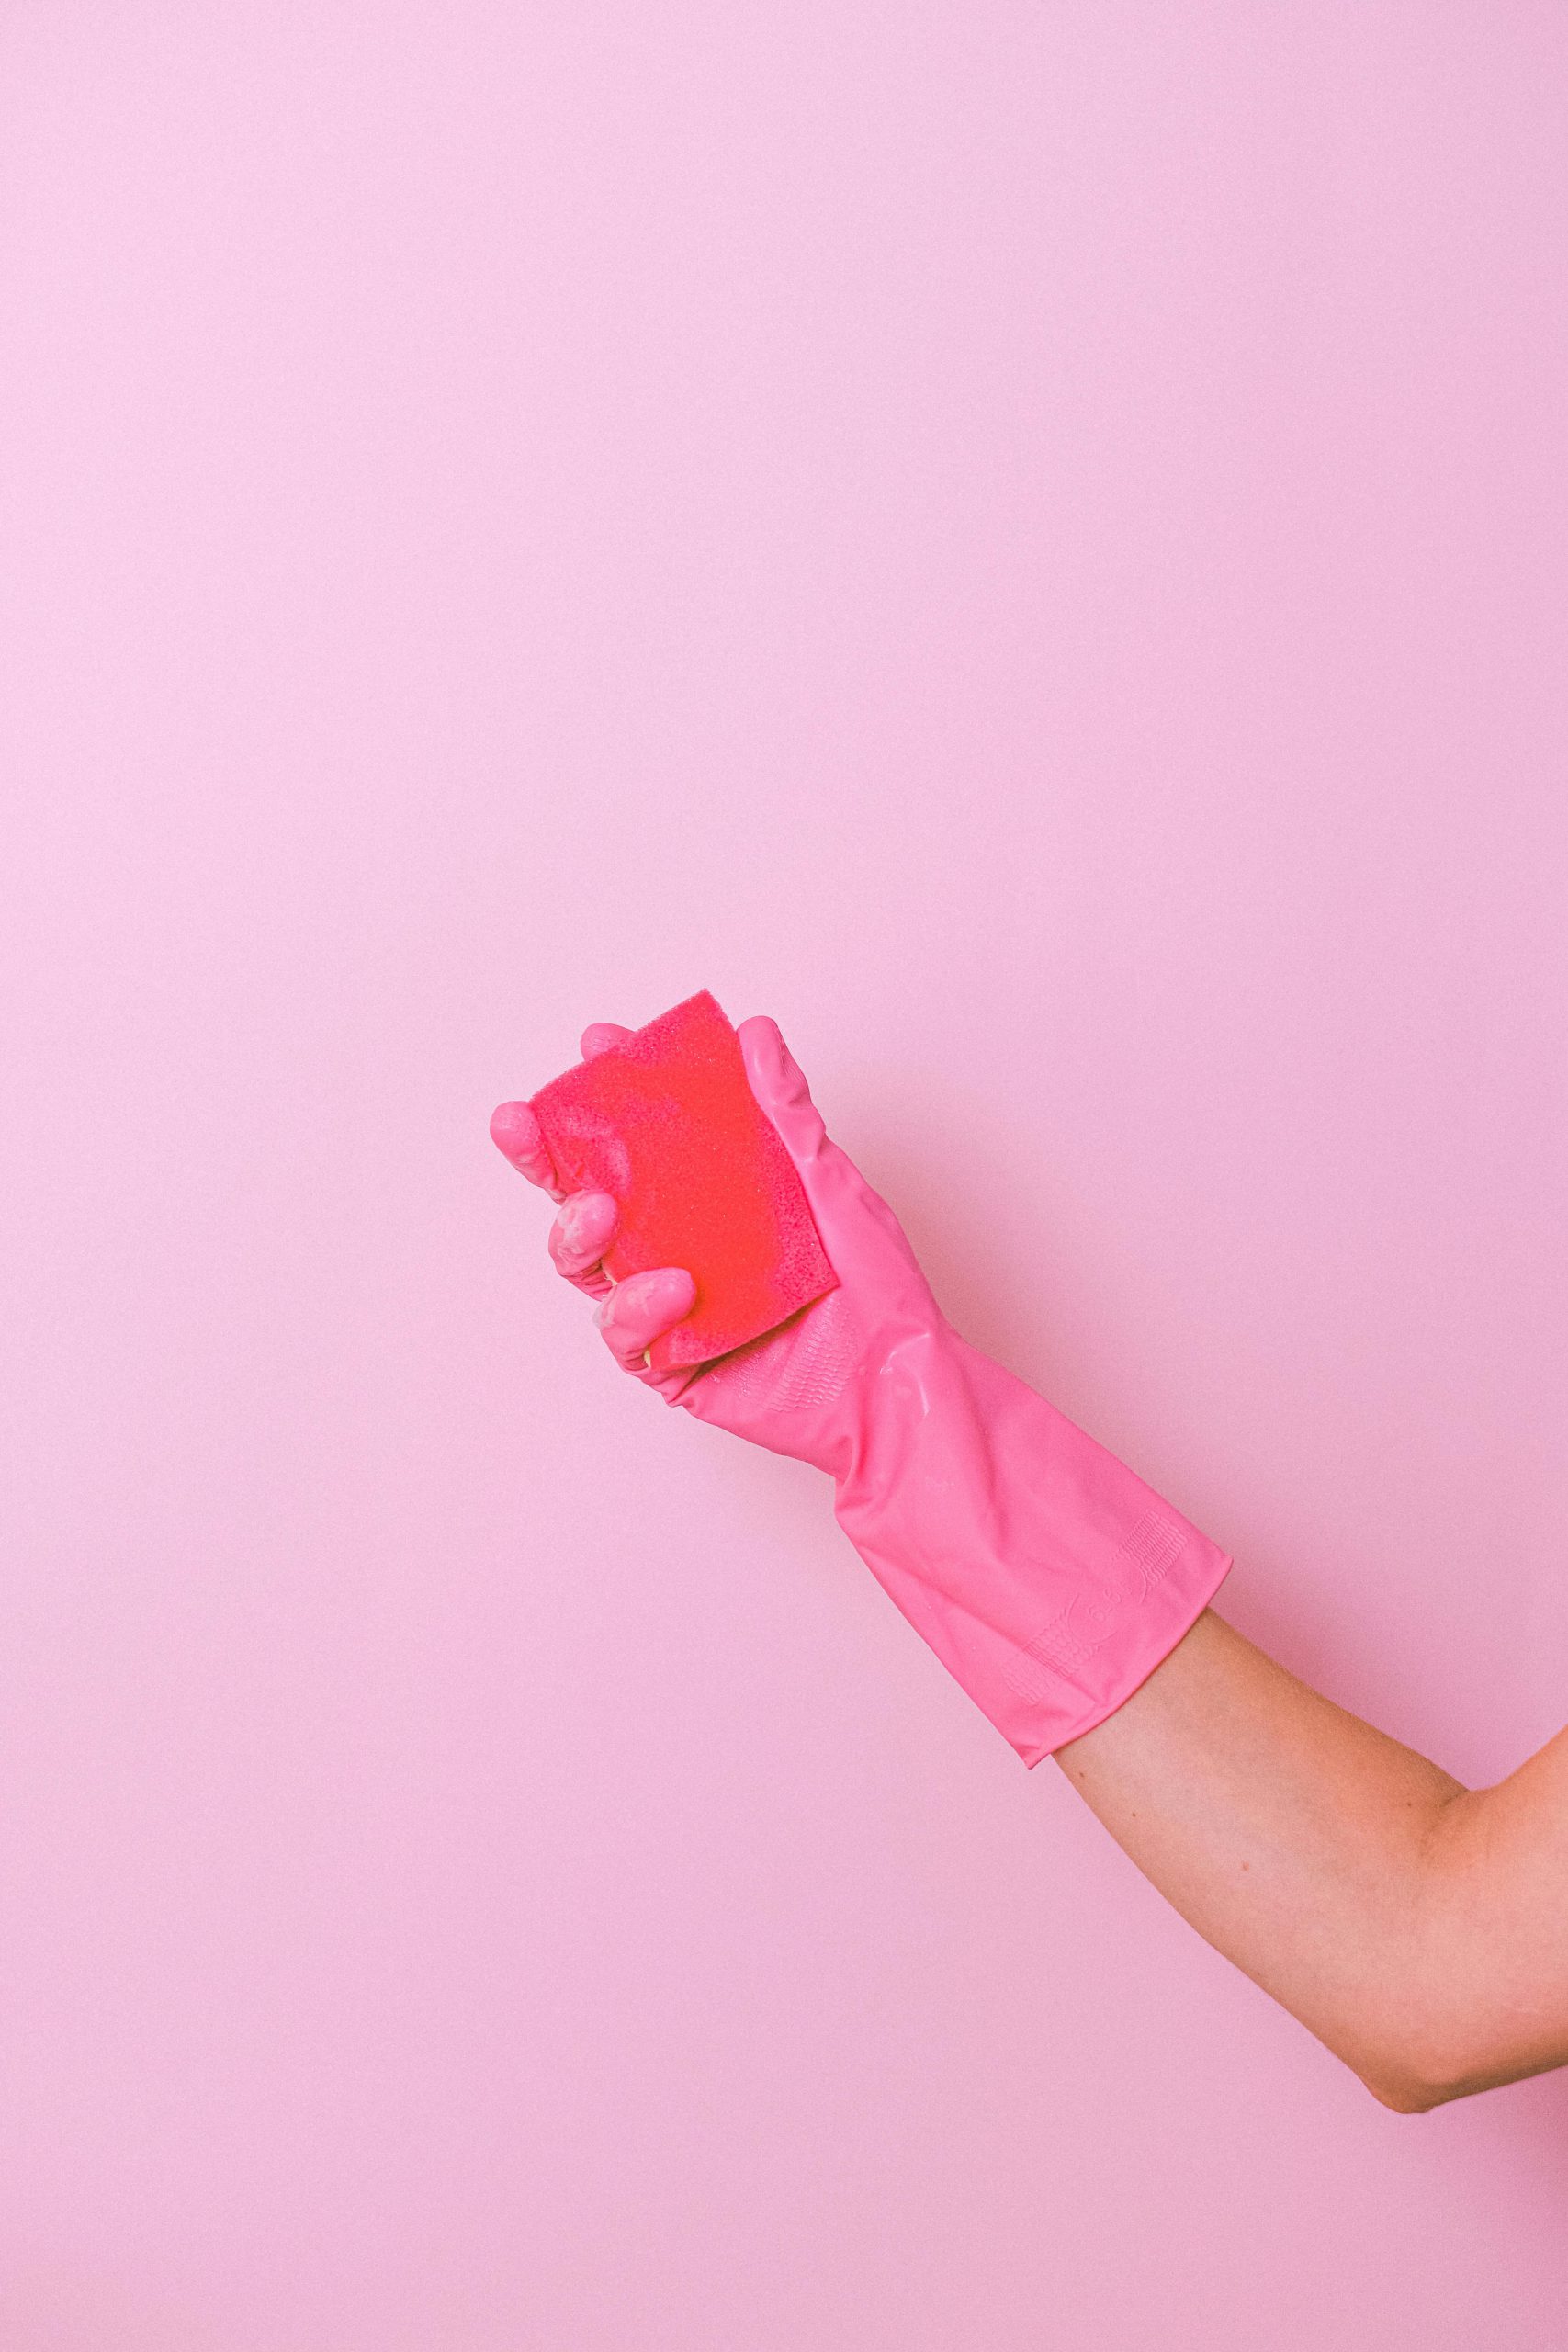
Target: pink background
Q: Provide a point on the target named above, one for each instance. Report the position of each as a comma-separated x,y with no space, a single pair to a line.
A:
1030,543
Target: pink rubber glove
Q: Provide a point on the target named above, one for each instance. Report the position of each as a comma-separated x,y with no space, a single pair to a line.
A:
1046,1577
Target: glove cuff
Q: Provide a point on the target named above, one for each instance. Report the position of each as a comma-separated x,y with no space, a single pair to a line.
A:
1046,1576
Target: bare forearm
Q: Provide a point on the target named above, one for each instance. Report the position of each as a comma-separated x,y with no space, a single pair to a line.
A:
1294,1838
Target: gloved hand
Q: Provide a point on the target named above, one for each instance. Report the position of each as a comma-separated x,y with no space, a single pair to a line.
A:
1048,1578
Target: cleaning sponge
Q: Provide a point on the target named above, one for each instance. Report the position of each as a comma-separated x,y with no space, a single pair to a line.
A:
667,1123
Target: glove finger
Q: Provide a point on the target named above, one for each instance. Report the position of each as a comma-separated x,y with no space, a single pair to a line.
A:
600,1035
834,1186
847,1209
516,1134
779,1084
583,1230
639,1309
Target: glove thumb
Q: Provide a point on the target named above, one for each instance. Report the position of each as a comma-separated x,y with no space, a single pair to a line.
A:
779,1084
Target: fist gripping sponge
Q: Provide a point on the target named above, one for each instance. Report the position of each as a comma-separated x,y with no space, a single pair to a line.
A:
667,1123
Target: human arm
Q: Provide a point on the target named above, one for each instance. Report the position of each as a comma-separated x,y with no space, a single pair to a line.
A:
1418,1928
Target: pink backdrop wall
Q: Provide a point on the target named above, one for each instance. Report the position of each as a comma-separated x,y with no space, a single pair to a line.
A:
1030,543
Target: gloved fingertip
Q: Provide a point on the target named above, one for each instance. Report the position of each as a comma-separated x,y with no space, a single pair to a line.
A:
762,1034
600,1035
589,1217
671,1293
514,1129
641,1310
516,1134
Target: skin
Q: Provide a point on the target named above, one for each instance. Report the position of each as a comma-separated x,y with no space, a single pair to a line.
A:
1418,1927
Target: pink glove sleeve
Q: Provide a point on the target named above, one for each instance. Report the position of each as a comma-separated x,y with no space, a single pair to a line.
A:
1049,1580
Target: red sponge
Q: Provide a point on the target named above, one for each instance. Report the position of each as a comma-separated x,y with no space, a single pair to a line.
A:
667,1122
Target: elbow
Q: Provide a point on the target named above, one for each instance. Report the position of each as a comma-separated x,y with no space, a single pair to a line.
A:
1415,2069
1416,2073
1408,2095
